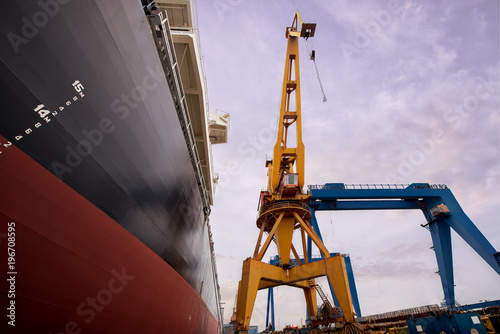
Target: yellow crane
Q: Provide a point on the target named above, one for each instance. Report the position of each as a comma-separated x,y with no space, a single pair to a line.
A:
283,209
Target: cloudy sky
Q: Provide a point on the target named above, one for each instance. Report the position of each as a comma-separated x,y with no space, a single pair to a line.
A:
413,96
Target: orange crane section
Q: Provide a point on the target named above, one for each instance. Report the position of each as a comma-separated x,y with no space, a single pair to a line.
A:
283,209
285,155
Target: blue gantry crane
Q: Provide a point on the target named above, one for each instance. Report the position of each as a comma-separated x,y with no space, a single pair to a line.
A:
441,211
440,208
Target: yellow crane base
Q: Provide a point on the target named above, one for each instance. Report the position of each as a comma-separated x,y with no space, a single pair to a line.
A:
258,275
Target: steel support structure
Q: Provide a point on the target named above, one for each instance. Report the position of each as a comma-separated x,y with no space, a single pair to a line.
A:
421,196
295,272
350,277
258,275
270,308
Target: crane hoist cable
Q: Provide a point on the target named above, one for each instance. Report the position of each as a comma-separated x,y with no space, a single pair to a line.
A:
331,223
312,56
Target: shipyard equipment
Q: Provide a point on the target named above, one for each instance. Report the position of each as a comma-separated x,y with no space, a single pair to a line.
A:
283,209
436,201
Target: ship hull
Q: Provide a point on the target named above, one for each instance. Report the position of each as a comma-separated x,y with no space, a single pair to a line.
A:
77,269
97,178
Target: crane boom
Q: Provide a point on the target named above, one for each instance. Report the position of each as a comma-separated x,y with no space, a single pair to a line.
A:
285,156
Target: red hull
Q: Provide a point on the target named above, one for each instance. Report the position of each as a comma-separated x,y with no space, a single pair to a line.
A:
77,269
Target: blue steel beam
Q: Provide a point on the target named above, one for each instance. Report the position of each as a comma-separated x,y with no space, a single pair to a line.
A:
441,239
480,305
341,191
270,307
326,205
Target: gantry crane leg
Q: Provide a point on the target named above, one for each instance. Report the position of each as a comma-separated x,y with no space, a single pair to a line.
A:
440,228
337,277
441,239
310,296
247,292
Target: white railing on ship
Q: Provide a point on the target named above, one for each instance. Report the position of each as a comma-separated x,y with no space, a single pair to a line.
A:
165,44
214,270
